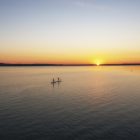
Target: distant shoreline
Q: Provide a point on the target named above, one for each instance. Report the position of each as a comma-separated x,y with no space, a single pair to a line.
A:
8,64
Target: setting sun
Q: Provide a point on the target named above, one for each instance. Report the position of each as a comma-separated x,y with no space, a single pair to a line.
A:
98,63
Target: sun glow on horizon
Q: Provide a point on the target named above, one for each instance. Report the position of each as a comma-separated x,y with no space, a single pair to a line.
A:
98,64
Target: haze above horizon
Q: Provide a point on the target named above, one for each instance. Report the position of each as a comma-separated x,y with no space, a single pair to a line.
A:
70,31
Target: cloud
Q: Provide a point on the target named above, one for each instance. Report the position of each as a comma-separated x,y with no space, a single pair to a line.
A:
92,4
84,3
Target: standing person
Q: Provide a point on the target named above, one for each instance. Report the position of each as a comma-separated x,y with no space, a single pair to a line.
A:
53,80
58,79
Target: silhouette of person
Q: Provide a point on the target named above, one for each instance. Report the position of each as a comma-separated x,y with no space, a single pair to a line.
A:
58,79
53,80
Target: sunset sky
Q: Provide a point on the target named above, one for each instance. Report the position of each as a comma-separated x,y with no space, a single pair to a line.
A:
70,31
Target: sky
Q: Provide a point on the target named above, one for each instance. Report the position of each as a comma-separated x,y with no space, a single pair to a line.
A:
70,31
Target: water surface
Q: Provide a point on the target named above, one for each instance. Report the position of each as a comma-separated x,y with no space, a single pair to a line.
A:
99,103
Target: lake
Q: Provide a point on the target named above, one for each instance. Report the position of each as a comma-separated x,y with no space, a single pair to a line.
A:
96,102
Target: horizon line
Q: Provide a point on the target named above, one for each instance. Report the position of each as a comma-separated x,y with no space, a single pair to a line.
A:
49,64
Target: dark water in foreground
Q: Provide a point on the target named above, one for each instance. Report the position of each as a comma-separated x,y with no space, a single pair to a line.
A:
98,103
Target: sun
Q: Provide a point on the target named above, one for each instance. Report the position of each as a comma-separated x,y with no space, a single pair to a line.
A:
98,63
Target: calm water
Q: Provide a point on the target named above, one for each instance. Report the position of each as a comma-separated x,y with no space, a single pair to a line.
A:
98,103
